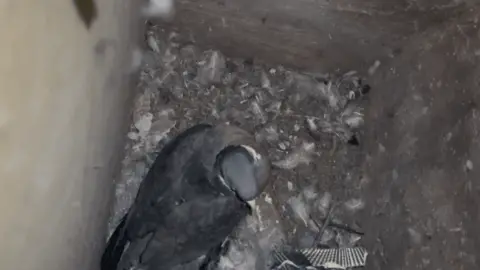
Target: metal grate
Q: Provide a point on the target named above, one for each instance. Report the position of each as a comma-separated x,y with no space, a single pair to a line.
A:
312,258
336,258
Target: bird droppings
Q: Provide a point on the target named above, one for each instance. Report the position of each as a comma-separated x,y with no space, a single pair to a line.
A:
144,124
415,236
300,155
324,203
268,199
289,186
354,204
152,44
469,165
310,193
374,67
381,148
300,208
303,120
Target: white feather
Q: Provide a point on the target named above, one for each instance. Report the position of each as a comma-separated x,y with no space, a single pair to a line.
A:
256,156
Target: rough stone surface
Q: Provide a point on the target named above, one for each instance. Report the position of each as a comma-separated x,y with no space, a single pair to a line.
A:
423,127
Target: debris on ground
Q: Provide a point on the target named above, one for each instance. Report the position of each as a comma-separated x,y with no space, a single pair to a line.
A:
310,124
300,155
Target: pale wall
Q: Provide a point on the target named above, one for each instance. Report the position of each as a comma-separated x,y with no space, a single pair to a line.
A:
63,104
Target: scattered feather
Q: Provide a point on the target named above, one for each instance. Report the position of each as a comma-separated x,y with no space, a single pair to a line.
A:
352,116
327,236
374,68
330,93
211,69
301,155
339,129
347,240
415,236
311,124
144,124
354,205
282,146
159,130
310,193
152,43
324,203
300,208
258,112
133,135
265,80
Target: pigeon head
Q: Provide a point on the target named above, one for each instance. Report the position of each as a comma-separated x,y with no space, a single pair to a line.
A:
243,171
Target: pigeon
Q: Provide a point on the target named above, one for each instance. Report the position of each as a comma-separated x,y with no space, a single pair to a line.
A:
199,188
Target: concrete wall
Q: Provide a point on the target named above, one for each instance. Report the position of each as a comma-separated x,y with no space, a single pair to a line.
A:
64,96
321,35
422,149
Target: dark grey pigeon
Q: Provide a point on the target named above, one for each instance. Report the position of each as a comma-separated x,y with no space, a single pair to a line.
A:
193,197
